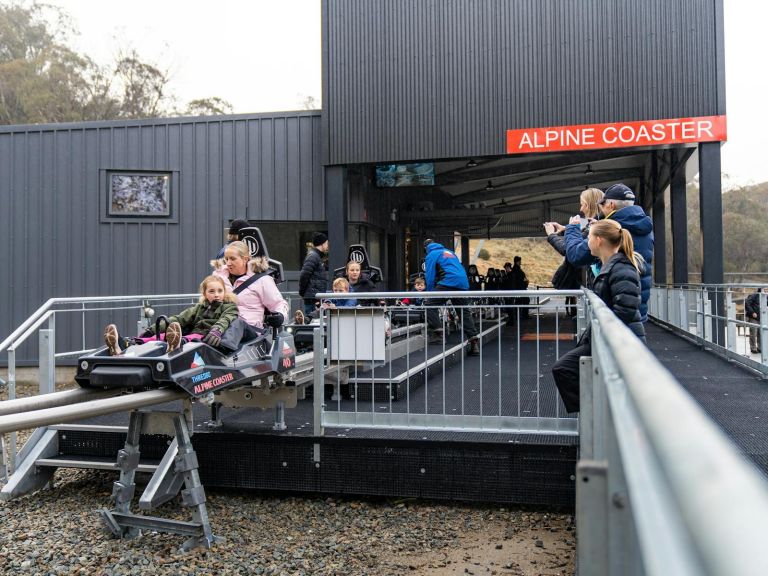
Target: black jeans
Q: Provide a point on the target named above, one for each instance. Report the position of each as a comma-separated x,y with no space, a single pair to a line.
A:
566,374
433,318
238,331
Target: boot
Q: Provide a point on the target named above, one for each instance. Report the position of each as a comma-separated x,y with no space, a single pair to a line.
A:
173,336
112,340
436,336
474,347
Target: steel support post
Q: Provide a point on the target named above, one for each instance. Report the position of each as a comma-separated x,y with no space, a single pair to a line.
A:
764,330
11,462
670,306
699,314
193,494
581,315
123,489
279,416
730,314
3,460
592,517
47,361
623,552
215,421
587,409
318,380
707,316
682,305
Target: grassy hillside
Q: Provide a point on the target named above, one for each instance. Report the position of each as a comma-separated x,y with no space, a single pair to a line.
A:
540,260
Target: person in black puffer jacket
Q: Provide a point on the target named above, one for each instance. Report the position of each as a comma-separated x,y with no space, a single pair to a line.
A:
360,282
618,285
314,273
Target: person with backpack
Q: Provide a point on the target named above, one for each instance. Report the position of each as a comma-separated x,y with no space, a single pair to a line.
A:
568,276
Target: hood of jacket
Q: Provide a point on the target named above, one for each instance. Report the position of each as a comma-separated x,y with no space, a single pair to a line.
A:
435,246
634,219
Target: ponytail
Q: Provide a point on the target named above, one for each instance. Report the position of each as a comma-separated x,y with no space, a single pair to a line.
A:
628,247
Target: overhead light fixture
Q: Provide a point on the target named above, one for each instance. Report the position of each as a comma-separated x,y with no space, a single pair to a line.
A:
472,163
588,171
489,186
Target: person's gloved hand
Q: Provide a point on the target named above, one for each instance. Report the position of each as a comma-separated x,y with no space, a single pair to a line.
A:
275,319
213,338
147,333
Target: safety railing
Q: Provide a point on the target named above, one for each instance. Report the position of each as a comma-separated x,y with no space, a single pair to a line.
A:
660,488
382,377
714,315
76,311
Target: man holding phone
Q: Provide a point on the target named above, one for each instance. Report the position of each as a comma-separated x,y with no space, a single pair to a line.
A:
618,203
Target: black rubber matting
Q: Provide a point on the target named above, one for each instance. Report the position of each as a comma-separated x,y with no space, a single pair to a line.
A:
734,397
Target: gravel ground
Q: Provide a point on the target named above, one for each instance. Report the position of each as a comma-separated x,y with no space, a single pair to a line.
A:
59,532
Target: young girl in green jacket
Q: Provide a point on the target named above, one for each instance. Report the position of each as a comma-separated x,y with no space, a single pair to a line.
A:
207,320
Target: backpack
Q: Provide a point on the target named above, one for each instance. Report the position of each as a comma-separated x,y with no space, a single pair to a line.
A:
566,277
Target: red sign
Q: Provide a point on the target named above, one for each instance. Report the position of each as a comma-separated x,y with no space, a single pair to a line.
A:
617,135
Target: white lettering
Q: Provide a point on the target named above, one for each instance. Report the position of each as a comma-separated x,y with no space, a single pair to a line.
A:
550,136
588,136
658,132
525,141
609,139
705,126
688,132
630,134
642,134
673,126
572,137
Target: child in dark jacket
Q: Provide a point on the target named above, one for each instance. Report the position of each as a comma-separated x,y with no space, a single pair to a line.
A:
207,320
419,285
618,285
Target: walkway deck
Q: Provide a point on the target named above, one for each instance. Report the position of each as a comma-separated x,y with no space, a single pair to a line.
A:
734,397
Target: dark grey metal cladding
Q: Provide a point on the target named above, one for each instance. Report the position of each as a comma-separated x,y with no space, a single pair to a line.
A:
57,241
421,80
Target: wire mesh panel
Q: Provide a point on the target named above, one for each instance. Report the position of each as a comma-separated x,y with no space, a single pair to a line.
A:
462,361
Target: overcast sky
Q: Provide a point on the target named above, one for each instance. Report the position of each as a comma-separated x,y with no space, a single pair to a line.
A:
264,56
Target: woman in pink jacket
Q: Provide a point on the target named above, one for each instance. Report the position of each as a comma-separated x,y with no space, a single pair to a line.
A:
255,297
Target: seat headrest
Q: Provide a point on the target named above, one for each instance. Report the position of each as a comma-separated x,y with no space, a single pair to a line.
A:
254,239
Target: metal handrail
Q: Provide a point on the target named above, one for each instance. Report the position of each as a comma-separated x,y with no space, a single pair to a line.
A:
45,308
677,465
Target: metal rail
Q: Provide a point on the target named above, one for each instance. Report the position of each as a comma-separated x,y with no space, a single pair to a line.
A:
660,488
53,400
71,413
710,315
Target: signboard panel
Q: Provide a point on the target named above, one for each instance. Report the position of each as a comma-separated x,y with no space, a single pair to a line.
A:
617,135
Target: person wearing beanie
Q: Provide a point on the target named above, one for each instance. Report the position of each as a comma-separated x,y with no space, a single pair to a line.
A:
314,272
233,234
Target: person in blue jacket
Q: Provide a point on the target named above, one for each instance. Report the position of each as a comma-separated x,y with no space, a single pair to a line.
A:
444,272
618,204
